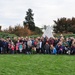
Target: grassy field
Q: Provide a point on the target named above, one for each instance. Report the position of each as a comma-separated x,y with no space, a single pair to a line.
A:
37,65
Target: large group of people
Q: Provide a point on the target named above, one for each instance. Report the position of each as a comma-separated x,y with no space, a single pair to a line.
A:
39,45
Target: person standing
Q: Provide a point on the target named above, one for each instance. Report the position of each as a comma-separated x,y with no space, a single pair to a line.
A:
47,48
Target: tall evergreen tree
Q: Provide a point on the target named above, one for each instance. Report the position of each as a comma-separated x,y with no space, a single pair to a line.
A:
29,20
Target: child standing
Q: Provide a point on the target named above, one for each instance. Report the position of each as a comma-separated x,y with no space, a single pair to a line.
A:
47,48
20,47
12,48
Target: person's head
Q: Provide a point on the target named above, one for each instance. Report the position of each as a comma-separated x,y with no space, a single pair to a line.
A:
51,47
59,44
46,42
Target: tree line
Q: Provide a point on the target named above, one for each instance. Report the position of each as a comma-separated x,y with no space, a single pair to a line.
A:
61,25
64,25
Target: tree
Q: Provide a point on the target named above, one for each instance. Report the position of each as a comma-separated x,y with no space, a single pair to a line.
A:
29,20
38,30
60,25
64,25
0,28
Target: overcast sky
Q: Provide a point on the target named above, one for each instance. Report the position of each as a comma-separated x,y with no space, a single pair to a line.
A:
12,12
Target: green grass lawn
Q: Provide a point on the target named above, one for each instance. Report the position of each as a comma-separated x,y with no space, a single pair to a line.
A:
37,65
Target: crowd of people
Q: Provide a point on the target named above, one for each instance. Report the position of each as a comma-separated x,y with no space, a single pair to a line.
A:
39,45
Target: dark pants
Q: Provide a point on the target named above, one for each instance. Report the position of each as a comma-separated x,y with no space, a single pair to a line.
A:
47,51
60,52
1,50
37,50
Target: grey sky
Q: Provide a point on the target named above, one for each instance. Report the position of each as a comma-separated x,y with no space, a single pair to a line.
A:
12,12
